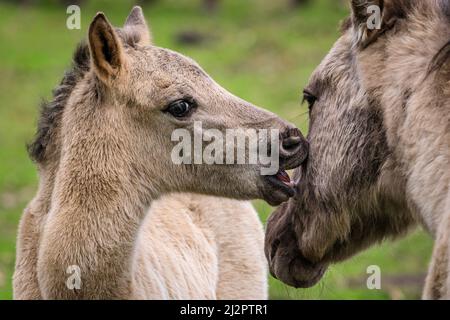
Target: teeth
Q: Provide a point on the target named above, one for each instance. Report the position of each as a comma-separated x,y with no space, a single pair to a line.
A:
284,177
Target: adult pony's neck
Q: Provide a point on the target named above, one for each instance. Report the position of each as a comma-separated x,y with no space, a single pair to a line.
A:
416,100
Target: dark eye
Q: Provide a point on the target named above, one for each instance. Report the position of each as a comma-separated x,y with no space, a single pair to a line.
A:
310,98
180,108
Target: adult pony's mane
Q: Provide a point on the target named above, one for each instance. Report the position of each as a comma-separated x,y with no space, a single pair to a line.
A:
51,111
402,8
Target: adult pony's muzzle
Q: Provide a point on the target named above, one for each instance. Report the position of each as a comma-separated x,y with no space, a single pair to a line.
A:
286,261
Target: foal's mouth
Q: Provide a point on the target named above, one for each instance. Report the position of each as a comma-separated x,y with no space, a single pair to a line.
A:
293,153
279,188
282,178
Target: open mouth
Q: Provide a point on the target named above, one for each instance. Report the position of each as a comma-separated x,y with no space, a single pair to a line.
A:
283,176
279,189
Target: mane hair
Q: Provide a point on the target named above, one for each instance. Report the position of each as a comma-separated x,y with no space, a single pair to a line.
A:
51,111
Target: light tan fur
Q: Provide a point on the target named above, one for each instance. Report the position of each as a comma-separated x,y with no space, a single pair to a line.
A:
215,245
107,164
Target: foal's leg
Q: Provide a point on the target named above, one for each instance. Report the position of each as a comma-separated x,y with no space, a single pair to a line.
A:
25,283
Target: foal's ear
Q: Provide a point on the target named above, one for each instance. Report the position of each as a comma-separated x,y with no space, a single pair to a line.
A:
106,49
371,18
136,23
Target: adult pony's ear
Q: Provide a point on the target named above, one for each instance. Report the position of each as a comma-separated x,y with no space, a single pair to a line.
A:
367,20
106,49
136,24
371,18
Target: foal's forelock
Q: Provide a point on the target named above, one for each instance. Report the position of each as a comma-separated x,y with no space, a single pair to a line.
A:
51,111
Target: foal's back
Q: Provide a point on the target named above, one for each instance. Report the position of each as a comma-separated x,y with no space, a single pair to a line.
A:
201,247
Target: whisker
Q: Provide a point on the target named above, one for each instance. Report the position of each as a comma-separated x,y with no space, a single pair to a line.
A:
299,115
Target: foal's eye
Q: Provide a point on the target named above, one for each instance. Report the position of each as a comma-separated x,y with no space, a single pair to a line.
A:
180,108
310,98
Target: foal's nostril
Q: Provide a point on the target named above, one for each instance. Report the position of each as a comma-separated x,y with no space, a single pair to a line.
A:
291,142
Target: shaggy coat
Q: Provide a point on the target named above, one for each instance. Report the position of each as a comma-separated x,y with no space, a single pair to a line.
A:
379,161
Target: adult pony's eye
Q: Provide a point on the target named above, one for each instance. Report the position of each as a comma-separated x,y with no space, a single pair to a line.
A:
180,108
310,98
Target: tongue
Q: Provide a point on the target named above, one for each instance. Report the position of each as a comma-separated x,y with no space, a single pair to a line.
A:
284,177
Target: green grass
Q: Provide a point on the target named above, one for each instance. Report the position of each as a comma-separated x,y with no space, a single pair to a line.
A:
259,50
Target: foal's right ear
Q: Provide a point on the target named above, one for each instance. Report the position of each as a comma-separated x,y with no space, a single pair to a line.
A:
136,22
106,49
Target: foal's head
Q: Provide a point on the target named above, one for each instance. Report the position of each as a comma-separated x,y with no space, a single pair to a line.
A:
122,113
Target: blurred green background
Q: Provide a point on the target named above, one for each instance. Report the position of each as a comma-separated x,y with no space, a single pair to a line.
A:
263,51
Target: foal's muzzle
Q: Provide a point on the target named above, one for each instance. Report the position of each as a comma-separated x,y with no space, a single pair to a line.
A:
293,148
293,151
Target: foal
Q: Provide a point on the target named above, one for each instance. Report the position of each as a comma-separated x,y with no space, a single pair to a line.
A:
105,158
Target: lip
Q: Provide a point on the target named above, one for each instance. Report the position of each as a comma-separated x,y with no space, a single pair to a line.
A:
287,263
278,188
301,275
286,260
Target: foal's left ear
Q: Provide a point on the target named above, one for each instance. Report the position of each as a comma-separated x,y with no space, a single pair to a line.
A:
136,23
371,18
106,49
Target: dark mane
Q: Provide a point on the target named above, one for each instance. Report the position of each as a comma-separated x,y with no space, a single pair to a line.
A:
51,111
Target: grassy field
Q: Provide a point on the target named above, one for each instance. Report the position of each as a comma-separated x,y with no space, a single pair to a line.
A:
260,50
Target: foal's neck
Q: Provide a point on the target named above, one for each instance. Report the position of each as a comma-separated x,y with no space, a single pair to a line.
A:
96,213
